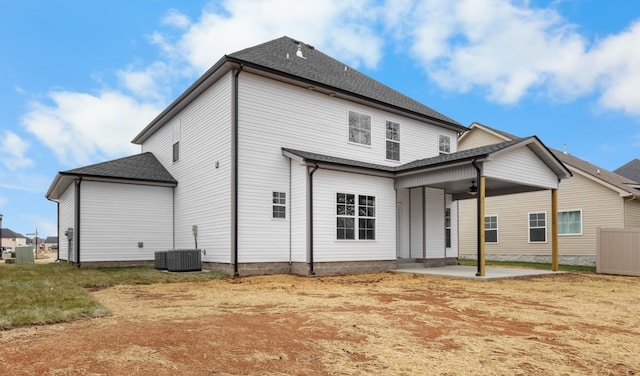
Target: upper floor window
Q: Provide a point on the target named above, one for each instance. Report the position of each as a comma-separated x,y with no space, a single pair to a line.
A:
279,205
393,140
176,151
537,227
359,128
570,222
491,229
444,143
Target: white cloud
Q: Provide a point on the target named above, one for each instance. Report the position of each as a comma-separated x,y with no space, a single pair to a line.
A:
149,83
13,152
83,128
176,18
510,50
344,29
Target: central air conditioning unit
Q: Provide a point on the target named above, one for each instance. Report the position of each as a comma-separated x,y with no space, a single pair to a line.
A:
184,260
161,260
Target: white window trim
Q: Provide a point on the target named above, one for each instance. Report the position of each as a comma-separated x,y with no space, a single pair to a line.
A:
581,222
356,217
450,143
371,127
389,140
546,226
497,229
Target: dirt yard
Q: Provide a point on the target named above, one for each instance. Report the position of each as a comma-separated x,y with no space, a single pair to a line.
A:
373,324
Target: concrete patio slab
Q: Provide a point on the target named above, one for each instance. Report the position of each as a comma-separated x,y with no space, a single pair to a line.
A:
469,272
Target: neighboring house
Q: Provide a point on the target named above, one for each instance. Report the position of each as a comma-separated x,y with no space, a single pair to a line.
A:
281,159
51,242
630,170
12,239
518,227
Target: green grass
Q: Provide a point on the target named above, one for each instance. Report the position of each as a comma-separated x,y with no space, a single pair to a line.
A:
532,265
50,293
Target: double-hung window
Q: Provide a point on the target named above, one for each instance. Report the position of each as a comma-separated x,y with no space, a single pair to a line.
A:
570,222
444,144
491,229
279,205
537,227
355,215
359,128
393,140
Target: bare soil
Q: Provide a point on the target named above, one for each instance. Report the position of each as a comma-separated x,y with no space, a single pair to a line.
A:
372,324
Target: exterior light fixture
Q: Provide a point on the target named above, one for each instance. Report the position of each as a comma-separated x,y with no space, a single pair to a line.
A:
473,190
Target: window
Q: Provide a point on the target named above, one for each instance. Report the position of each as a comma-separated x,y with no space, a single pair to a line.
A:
491,229
346,216
447,228
346,212
176,151
537,227
359,128
393,141
366,217
570,222
444,144
279,205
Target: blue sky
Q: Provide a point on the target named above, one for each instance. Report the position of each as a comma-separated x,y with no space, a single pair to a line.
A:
79,79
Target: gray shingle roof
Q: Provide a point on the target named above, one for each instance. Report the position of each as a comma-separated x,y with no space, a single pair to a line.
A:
630,170
6,233
322,69
140,167
442,159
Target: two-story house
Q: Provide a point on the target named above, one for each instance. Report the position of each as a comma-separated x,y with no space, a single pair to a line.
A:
281,159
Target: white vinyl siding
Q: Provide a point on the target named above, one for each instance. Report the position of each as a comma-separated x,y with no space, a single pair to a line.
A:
67,219
521,165
326,248
267,124
298,205
434,226
115,217
416,211
203,194
402,212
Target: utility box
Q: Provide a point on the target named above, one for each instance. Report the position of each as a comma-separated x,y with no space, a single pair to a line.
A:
161,260
24,255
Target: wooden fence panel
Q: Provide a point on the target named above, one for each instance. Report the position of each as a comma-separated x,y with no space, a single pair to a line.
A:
618,251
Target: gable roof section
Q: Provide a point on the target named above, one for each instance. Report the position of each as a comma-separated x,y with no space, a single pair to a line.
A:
630,170
279,59
141,168
498,133
605,177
